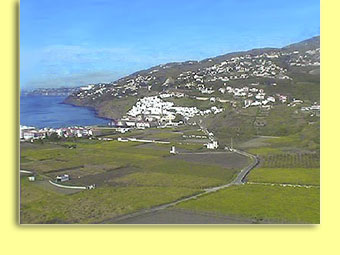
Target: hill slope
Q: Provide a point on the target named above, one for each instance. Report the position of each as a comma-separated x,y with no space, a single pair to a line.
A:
293,70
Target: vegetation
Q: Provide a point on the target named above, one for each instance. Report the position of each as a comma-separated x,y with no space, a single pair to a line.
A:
278,204
128,177
39,205
302,176
157,179
297,160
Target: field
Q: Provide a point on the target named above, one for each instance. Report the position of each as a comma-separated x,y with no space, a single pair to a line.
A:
181,134
294,129
302,176
182,216
228,160
280,204
131,176
128,176
39,205
283,160
296,160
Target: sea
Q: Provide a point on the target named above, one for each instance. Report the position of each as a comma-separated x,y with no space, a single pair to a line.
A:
49,111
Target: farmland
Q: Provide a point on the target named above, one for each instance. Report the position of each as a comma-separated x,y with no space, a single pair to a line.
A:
135,176
280,204
297,160
283,160
39,205
302,176
128,177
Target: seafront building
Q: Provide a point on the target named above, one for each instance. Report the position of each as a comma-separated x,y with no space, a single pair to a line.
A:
32,133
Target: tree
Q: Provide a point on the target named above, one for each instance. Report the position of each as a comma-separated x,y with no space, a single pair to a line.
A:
54,137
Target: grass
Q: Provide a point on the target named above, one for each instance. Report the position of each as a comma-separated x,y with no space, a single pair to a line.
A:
190,102
158,179
279,204
151,177
307,176
255,143
264,151
154,177
39,205
291,160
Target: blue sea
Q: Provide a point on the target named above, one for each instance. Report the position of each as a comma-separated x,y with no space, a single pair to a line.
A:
49,111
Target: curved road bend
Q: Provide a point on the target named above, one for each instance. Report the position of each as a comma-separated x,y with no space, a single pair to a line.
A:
237,181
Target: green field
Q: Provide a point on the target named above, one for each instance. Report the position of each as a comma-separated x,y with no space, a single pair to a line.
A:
283,160
39,205
171,134
289,160
278,204
132,176
129,177
303,176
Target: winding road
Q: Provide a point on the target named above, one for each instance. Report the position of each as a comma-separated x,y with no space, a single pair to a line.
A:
237,181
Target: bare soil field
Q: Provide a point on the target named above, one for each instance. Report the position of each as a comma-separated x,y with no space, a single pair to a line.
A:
107,177
224,159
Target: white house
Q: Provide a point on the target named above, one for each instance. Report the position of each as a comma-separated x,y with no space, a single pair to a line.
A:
173,150
142,125
213,145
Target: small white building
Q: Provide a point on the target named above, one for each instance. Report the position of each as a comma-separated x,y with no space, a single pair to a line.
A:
130,123
31,178
142,125
173,150
213,145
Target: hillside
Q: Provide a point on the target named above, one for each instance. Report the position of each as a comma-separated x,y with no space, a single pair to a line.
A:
293,70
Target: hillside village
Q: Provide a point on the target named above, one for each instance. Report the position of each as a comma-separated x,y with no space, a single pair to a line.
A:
170,95
268,66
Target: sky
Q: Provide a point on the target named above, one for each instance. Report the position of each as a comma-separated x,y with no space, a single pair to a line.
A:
78,42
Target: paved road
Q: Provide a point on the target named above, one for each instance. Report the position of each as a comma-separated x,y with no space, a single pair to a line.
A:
237,181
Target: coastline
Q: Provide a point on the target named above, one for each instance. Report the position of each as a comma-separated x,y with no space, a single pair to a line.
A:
91,108
89,115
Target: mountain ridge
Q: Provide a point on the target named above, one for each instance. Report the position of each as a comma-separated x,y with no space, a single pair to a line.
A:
289,65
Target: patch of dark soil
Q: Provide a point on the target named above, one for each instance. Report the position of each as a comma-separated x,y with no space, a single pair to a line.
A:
104,178
227,160
64,169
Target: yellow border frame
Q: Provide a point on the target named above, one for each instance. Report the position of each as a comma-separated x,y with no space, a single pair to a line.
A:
170,239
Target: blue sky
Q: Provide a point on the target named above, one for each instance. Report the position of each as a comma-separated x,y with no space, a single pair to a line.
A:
73,42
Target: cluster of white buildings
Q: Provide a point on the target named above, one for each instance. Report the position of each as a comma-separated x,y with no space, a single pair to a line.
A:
154,108
32,133
258,97
245,66
239,67
314,107
213,145
253,96
309,58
